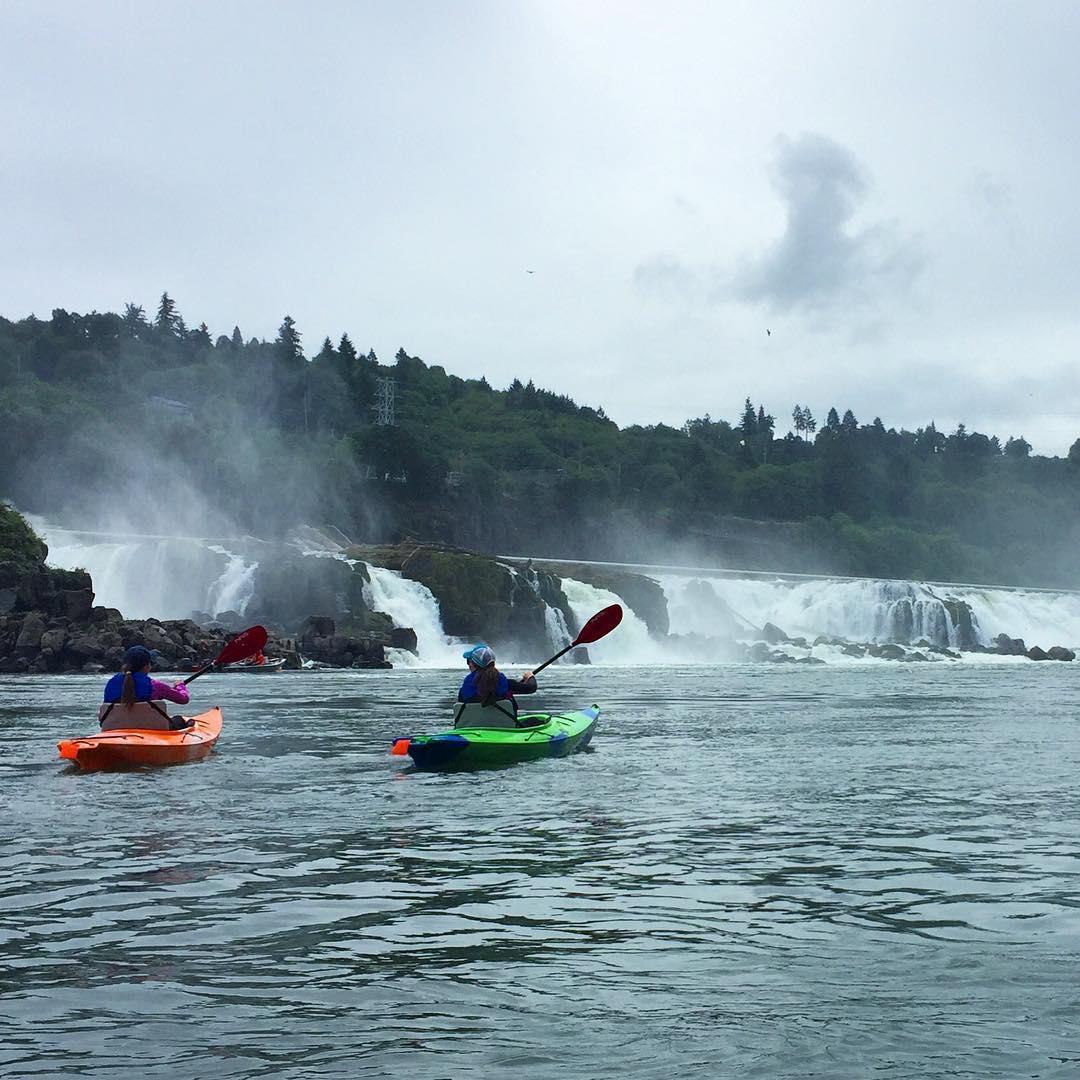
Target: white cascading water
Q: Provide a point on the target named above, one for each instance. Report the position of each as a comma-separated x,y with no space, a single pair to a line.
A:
159,577
233,590
411,604
629,644
864,610
559,635
169,577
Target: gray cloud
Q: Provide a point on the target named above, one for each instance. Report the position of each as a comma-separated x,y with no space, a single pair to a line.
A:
821,261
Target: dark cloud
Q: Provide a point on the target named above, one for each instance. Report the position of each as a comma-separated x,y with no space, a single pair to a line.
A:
821,260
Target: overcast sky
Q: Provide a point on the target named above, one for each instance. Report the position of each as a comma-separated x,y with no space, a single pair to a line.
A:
890,188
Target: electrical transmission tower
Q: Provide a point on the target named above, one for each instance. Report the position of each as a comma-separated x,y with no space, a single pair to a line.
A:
384,401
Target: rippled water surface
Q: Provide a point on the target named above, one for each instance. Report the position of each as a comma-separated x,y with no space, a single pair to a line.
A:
761,872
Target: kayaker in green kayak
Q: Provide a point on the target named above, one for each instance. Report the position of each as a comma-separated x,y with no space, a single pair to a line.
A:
486,684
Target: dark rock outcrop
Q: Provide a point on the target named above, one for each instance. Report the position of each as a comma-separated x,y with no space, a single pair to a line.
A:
1059,652
962,617
1008,646
1035,653
318,640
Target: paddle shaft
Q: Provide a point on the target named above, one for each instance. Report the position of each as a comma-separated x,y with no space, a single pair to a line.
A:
201,671
561,652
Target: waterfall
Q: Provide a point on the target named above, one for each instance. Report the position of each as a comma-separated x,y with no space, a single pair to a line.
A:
234,588
629,644
558,632
866,610
409,603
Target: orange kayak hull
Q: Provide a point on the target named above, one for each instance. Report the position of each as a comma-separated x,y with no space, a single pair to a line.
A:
129,748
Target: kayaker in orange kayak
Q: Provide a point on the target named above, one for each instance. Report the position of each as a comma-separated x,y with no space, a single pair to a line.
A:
131,695
486,684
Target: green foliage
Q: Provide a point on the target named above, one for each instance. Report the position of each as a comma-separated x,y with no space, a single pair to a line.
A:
116,405
20,547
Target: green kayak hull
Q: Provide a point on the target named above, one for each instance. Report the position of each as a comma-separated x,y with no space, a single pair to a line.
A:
537,735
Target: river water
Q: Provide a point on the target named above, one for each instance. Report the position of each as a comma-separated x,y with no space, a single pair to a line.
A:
756,872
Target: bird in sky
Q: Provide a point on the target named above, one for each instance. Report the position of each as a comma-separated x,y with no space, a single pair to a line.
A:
530,271
768,331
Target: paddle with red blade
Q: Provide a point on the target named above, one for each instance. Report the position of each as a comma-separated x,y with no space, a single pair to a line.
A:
242,646
600,625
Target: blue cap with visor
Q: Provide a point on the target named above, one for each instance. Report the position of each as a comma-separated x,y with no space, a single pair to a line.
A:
480,654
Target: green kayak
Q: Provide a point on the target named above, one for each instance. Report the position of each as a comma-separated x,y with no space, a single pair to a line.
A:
532,736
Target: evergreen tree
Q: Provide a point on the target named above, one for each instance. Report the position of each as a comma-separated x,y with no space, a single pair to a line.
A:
763,439
1017,448
849,425
135,318
167,315
832,421
237,338
346,359
200,337
288,343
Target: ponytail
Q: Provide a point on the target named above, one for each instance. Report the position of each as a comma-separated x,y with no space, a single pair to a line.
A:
127,695
487,684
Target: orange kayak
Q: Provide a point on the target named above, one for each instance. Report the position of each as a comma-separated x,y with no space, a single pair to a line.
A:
127,748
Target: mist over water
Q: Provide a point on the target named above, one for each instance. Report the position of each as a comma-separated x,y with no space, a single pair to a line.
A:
159,577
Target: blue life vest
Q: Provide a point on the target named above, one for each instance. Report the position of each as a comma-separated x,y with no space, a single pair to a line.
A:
468,690
115,686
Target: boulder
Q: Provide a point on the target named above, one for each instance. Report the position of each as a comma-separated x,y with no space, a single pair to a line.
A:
317,626
54,639
1035,653
773,634
403,637
76,603
109,615
962,617
759,652
1059,652
890,651
86,645
30,633
851,649
1007,646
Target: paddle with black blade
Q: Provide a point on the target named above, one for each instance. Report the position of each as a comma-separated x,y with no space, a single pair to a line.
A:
600,625
242,646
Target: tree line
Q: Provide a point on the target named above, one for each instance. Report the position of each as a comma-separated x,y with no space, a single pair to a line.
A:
141,417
